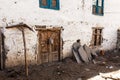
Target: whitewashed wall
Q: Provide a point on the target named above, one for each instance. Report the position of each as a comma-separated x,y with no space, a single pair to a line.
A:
75,17
15,46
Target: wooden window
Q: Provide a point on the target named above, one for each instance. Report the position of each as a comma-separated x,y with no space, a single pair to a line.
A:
50,4
98,7
97,36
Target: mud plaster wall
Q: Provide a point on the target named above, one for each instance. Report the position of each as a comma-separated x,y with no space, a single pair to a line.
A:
14,44
74,15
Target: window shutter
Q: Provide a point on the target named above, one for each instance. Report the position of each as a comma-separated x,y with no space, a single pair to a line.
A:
99,2
54,3
44,2
94,9
98,6
100,10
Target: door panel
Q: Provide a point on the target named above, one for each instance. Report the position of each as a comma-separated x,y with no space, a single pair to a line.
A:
43,48
49,45
54,46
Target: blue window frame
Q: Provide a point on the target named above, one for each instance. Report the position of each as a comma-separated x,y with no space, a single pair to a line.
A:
50,4
98,7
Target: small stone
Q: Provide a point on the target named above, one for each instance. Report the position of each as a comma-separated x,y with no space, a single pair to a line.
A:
94,62
111,67
104,62
87,69
63,71
58,67
107,67
58,73
79,79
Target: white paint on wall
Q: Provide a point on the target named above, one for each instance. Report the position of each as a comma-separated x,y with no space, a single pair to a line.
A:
76,19
15,45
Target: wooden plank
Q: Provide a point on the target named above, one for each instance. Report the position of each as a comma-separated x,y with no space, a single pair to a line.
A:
97,27
83,54
61,46
19,25
97,38
44,57
44,29
53,37
49,29
88,52
44,48
49,45
97,34
25,54
55,56
76,56
50,53
38,26
93,38
38,48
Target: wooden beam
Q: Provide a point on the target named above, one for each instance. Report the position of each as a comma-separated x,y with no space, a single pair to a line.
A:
97,27
25,54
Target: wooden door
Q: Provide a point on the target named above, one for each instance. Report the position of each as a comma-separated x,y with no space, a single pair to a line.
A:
49,45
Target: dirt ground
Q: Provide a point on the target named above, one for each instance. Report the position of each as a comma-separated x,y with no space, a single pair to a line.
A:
67,69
